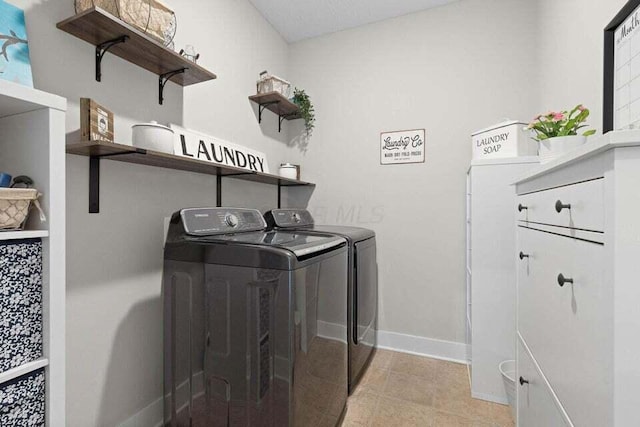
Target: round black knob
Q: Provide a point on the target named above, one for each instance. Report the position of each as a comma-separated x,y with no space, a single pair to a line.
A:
523,381
521,207
560,206
523,255
562,280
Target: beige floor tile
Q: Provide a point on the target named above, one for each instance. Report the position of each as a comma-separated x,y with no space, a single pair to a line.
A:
401,390
399,413
499,415
381,359
373,380
456,399
414,365
410,387
360,409
450,372
443,419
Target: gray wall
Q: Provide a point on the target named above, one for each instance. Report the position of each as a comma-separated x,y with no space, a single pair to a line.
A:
114,317
570,51
451,70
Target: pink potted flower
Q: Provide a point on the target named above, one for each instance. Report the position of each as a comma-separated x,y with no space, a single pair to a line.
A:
557,132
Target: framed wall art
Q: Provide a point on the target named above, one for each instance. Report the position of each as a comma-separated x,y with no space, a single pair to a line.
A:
15,64
401,147
621,109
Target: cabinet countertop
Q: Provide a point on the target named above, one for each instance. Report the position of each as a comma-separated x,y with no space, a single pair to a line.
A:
595,146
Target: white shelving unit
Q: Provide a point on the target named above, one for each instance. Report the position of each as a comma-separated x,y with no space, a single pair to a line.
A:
32,142
491,271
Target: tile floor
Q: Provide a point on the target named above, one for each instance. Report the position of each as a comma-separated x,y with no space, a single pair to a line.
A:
401,390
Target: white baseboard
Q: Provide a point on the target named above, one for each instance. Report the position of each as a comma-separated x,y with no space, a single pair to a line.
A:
490,398
422,346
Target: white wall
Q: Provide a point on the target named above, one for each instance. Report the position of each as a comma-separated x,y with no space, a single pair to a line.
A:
450,70
570,53
114,316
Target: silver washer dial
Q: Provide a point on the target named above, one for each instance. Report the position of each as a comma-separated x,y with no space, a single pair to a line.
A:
231,220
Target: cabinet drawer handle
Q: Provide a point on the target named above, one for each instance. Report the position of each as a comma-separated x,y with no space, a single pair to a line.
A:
560,206
523,381
522,207
523,255
562,280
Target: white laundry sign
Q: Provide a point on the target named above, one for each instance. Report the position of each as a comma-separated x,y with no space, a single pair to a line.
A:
405,146
196,145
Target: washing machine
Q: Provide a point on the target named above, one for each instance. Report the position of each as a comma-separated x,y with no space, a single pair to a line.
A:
362,282
255,322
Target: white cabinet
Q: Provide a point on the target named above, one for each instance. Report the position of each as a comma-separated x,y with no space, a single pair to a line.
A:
578,293
537,405
32,142
491,275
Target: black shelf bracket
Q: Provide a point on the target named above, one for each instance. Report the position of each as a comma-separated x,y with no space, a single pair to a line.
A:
262,106
94,177
283,117
164,78
219,190
103,48
279,195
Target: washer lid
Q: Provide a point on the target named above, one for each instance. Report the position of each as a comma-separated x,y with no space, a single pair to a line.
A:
301,244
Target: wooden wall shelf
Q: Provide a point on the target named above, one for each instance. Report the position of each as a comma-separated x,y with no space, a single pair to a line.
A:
277,103
107,32
96,150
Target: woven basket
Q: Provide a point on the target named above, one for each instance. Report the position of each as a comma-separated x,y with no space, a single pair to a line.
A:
150,16
270,83
15,204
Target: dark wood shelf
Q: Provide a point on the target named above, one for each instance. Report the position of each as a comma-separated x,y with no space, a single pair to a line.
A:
277,103
130,154
97,27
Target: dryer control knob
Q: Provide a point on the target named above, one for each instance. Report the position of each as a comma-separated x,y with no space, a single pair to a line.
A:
296,217
231,220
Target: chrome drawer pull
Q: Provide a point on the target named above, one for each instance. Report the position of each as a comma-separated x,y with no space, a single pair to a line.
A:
523,255
523,381
560,206
521,207
562,280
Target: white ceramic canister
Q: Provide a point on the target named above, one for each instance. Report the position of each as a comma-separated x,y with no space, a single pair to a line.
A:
288,170
153,136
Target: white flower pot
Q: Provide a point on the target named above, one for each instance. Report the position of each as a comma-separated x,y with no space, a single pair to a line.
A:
552,148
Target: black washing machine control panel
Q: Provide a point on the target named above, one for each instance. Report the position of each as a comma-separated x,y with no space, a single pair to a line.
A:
212,221
289,218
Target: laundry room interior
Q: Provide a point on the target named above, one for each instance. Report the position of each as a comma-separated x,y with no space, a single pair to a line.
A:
319,213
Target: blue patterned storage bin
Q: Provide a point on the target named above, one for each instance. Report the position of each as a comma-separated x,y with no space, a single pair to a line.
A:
20,302
22,401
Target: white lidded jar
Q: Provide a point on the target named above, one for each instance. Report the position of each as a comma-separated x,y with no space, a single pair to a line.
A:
288,170
153,136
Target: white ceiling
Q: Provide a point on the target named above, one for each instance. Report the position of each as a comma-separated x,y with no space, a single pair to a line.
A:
301,19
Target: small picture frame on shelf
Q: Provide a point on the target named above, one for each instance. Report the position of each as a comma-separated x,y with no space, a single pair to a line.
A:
96,122
621,109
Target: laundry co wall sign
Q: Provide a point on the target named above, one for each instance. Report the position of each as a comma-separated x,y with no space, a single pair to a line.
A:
405,146
196,145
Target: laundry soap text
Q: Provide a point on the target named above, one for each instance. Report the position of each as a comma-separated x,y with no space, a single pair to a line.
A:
492,144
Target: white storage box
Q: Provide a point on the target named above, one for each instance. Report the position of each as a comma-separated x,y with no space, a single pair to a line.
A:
508,139
269,83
